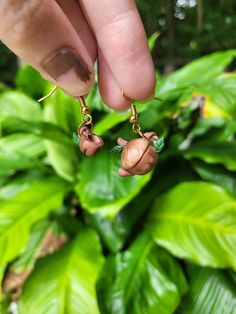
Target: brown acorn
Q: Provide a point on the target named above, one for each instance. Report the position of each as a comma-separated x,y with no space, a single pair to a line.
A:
138,156
89,143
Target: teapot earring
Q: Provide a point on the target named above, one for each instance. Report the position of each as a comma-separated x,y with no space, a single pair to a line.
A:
89,143
139,155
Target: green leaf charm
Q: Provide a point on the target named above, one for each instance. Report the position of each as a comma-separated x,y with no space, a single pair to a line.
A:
159,144
76,138
117,149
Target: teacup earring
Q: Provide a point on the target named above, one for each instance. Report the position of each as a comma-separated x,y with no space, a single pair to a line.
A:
89,143
139,155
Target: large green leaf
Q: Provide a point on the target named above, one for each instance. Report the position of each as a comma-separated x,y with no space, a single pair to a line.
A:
101,190
221,90
29,256
18,152
10,162
197,72
65,281
13,186
211,291
115,232
213,153
20,213
16,104
217,174
63,111
40,129
27,144
144,280
197,221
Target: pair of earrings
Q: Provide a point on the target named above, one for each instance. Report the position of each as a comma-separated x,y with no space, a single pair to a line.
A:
138,156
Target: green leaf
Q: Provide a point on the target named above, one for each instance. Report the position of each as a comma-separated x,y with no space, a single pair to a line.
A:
63,159
221,91
114,233
19,214
216,174
196,221
203,126
144,279
42,130
159,144
19,152
2,271
101,190
16,104
195,74
63,111
13,186
28,257
65,281
76,138
5,303
211,291
109,121
152,40
117,149
213,153
27,144
30,81
10,162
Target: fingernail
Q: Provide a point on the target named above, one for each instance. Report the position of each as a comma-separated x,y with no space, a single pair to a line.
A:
67,68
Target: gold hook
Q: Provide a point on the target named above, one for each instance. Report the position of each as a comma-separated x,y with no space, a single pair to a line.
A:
86,116
49,94
134,116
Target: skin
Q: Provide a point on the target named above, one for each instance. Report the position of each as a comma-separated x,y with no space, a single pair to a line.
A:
109,31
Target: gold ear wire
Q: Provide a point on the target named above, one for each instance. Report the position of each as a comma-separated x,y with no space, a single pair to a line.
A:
49,94
134,116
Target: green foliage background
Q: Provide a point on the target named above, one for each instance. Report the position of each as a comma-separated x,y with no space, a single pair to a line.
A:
160,243
75,237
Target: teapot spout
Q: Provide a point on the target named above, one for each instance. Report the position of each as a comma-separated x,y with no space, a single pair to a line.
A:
124,173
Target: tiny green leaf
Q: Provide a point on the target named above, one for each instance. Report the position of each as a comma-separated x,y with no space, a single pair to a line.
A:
159,144
76,138
117,149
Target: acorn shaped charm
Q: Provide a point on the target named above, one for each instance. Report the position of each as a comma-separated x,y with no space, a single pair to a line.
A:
89,143
140,155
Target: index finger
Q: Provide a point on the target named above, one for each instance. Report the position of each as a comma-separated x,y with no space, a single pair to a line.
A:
121,37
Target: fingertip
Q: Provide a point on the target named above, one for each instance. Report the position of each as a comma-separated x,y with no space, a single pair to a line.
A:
109,89
142,86
114,99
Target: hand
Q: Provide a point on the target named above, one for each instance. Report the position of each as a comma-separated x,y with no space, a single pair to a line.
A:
63,38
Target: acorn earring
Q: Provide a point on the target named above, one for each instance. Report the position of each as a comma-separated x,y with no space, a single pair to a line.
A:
88,142
139,155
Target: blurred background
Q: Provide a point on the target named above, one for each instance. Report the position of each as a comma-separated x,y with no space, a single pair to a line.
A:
186,30
162,243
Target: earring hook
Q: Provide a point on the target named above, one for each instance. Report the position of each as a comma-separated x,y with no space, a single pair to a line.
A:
49,94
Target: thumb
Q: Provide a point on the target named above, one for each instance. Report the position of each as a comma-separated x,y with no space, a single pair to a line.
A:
39,32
